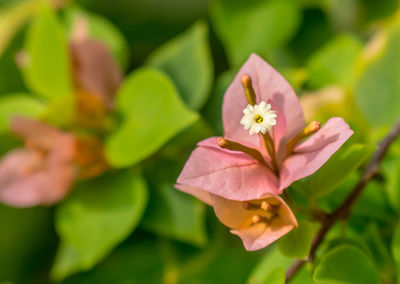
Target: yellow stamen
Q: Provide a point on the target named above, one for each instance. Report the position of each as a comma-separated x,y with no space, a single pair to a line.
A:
311,128
255,219
234,146
248,89
265,206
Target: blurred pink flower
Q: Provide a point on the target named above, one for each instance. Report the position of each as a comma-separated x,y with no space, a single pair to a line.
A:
242,168
43,171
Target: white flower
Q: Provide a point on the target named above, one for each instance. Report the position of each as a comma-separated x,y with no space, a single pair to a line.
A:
258,118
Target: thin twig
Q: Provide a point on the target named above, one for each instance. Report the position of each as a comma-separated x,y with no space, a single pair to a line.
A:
344,210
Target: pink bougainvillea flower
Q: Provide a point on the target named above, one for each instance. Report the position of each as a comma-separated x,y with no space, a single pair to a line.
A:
260,155
40,173
94,68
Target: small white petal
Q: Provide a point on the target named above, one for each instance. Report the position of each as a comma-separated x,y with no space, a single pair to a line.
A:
251,118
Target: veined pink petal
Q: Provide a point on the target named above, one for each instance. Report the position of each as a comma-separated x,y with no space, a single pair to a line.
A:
232,175
254,236
309,156
270,87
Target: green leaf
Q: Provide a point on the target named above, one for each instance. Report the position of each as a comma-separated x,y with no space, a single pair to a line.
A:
18,104
297,242
391,171
26,235
97,216
45,65
346,264
254,26
379,251
274,261
334,62
340,166
396,248
12,18
187,60
103,30
177,215
153,113
378,85
276,276
213,109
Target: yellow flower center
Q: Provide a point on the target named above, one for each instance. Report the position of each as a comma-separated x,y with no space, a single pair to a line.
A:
258,118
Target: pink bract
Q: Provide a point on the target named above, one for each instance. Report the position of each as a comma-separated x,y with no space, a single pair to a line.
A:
237,177
40,173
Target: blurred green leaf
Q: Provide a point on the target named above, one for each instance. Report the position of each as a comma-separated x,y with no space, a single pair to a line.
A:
346,264
18,104
345,161
12,18
297,242
153,113
379,251
378,85
134,262
396,249
45,62
101,29
276,276
175,214
334,62
391,171
187,60
97,216
274,261
26,236
213,109
254,26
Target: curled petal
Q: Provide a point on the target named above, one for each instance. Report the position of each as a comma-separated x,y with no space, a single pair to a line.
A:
200,194
309,156
254,236
232,175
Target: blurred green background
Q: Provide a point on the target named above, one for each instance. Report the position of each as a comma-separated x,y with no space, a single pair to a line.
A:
341,56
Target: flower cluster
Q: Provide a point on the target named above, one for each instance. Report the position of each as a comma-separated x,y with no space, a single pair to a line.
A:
242,175
44,170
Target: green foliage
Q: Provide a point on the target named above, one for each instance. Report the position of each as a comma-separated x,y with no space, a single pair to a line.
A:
45,61
273,262
396,249
187,60
12,18
378,83
18,104
391,171
164,215
334,63
340,165
346,264
276,276
152,113
297,242
101,29
97,216
26,234
254,26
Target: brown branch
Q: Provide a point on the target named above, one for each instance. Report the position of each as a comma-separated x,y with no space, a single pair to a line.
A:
344,210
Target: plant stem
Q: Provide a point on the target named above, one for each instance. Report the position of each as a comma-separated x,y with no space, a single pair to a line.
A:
344,210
